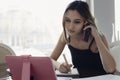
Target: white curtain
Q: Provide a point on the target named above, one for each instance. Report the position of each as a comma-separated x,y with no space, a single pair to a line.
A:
116,25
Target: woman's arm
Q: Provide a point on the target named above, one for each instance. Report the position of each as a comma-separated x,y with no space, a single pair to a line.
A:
57,51
58,48
108,62
62,67
106,58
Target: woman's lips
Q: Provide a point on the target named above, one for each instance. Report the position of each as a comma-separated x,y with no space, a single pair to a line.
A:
71,31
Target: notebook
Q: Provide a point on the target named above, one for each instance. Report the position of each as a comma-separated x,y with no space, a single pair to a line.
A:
74,73
30,68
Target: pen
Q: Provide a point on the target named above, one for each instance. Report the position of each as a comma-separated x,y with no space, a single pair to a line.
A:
65,59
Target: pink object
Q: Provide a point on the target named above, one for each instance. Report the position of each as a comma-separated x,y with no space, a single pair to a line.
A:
30,68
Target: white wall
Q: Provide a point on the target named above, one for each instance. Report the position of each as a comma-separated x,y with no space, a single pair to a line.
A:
104,13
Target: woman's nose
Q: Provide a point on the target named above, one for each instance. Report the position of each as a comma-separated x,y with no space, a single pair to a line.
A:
71,26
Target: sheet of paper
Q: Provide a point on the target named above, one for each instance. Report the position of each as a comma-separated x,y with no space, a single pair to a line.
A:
64,78
103,77
73,73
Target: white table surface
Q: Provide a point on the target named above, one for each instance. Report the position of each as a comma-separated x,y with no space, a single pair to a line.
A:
102,77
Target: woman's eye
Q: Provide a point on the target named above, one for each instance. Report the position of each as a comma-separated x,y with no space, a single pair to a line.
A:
77,22
67,20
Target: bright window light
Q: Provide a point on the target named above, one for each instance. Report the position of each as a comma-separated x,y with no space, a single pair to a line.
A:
31,23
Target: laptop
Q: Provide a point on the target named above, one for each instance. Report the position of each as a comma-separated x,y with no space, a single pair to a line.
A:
30,68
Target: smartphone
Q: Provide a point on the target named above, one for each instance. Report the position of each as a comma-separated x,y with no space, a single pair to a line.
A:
86,33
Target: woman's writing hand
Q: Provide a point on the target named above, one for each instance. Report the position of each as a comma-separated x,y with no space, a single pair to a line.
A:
65,68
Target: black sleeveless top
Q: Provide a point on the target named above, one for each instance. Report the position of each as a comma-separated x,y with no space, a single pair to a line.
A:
87,62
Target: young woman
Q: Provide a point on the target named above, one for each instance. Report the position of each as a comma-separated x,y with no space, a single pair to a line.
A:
91,57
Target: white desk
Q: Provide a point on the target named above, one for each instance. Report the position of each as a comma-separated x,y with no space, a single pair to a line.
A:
103,77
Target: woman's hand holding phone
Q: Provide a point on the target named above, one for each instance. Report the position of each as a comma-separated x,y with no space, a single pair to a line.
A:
93,31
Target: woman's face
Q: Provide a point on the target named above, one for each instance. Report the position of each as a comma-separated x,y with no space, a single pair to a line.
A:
73,22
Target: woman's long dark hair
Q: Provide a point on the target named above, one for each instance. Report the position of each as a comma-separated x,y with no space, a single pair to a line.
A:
83,9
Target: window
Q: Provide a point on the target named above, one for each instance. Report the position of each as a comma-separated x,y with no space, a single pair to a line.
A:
31,24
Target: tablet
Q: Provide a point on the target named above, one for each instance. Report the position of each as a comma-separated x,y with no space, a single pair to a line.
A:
41,68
